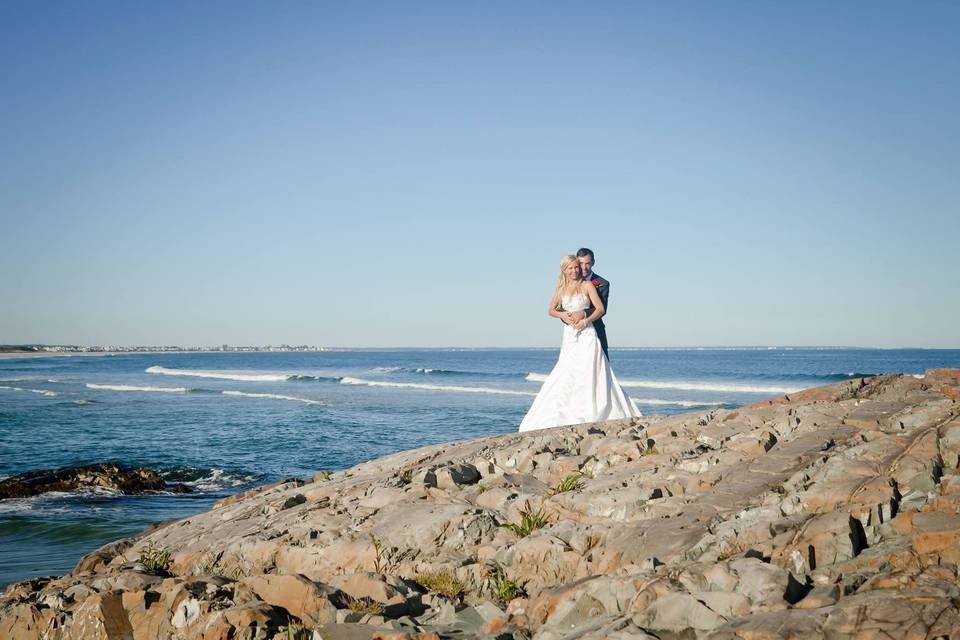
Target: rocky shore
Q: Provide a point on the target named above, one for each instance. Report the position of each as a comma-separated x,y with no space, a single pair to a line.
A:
90,477
834,512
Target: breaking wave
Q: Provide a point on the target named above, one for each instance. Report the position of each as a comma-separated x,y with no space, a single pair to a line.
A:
239,376
220,375
728,387
42,392
434,387
130,387
443,372
272,396
207,480
678,403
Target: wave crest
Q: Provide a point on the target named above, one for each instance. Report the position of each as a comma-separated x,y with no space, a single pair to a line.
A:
436,371
220,375
131,387
434,387
678,403
42,392
682,385
308,378
271,396
240,376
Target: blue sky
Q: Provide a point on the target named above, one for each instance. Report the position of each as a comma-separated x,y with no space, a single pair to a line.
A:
409,174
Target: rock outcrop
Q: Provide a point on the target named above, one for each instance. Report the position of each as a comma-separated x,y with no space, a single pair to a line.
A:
833,512
102,475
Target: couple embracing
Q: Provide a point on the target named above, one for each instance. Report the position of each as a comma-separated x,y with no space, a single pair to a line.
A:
581,387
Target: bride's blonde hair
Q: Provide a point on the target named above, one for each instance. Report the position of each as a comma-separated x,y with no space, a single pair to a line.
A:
562,287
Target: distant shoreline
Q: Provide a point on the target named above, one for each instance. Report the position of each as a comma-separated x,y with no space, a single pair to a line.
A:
9,355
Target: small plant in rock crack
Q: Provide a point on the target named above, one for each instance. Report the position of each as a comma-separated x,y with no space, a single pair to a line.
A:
530,521
442,582
572,482
379,554
207,565
297,631
361,605
156,559
726,552
503,587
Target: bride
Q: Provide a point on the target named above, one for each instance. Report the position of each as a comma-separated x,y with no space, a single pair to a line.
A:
581,387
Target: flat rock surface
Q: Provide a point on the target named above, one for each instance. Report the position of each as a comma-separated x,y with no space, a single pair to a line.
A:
832,512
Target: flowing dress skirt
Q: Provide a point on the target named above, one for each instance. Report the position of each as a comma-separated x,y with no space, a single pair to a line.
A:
581,387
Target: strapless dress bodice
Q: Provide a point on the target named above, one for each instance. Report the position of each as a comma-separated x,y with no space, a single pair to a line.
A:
576,302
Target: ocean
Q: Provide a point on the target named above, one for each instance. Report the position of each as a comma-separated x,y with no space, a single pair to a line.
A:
223,422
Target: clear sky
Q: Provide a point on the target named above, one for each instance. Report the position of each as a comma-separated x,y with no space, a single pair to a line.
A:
410,173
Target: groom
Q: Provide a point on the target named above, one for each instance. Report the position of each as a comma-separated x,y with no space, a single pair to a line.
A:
585,257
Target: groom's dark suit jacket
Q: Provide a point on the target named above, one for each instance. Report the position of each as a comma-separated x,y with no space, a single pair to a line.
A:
603,290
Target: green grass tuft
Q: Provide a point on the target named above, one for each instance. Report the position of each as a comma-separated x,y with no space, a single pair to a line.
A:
298,632
570,483
530,521
156,559
503,587
361,605
442,582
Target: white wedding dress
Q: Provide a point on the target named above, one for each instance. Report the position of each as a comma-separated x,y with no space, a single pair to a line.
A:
581,387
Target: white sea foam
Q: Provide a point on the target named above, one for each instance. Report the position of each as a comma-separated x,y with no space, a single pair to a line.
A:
434,387
221,375
42,392
729,387
57,502
273,396
424,370
677,403
130,387
218,479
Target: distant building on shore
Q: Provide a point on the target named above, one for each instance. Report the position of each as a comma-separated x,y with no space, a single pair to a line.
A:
70,348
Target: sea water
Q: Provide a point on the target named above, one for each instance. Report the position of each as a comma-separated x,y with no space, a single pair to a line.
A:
223,422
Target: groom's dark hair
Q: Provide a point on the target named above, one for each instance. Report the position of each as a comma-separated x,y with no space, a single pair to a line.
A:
583,251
